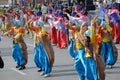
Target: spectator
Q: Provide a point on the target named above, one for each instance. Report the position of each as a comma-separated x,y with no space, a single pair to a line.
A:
44,9
1,62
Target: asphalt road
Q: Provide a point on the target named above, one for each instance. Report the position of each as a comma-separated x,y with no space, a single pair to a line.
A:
62,69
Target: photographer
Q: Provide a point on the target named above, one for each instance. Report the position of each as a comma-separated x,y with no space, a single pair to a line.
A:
1,62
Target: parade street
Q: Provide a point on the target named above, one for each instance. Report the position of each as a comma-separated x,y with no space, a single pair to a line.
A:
62,69
77,46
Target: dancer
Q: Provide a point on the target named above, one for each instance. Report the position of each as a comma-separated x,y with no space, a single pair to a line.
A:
19,52
53,30
94,63
43,51
115,16
107,43
91,69
77,52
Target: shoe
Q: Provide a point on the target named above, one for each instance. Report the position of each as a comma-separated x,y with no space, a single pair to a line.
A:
17,66
39,70
46,75
53,44
116,42
64,47
111,66
22,68
42,73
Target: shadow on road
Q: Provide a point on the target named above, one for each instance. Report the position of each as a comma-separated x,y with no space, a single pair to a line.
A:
63,65
63,74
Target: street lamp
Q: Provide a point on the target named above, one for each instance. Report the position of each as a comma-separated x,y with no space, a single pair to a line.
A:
12,3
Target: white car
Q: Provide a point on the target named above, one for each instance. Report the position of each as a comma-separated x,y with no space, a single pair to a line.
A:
4,5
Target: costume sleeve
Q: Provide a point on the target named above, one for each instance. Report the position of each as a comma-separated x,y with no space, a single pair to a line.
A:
73,28
12,29
108,28
98,38
92,34
36,29
21,30
107,23
44,31
17,36
71,48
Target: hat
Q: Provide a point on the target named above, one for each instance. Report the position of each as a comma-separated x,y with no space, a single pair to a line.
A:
49,11
114,4
37,13
115,17
16,22
83,11
57,12
73,14
80,21
60,14
107,6
40,23
103,24
98,20
21,12
72,21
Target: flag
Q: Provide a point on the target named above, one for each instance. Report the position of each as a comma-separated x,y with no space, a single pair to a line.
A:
102,13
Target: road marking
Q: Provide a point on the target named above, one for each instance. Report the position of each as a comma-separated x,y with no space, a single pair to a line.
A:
20,72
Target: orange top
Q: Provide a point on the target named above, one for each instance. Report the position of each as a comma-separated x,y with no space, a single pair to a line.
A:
18,30
73,28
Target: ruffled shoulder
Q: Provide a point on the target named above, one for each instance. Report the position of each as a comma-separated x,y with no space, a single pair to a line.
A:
21,30
36,29
12,28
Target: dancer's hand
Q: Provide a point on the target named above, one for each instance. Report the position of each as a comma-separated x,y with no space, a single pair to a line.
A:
93,21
